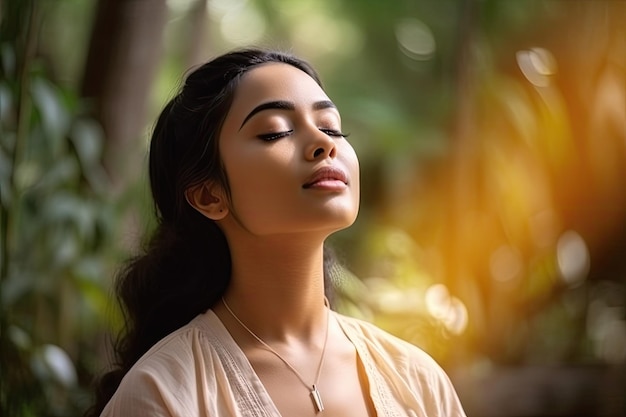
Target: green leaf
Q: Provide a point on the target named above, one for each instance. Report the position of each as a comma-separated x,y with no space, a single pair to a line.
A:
50,362
5,179
64,171
87,137
54,116
20,338
6,103
8,60
26,175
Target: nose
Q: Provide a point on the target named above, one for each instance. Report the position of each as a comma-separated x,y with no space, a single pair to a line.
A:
321,146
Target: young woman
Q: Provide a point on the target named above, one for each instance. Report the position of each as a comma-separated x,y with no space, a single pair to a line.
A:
226,311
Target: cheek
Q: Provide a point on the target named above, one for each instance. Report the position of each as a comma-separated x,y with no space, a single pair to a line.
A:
256,177
351,161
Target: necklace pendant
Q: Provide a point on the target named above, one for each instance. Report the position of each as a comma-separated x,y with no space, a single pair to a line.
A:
317,399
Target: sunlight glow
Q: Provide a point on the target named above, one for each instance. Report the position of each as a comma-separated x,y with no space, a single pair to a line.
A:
415,38
449,310
399,301
321,34
222,7
537,65
543,228
243,26
505,263
573,258
606,328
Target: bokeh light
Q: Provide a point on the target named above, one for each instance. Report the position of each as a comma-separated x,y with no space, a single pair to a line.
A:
415,39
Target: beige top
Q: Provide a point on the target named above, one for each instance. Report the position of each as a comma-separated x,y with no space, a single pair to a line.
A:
199,371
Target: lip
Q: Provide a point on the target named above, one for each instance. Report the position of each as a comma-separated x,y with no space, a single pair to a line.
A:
327,177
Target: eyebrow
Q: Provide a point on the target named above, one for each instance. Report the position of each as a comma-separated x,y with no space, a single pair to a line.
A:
286,105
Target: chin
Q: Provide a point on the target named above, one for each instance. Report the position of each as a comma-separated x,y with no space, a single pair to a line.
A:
344,222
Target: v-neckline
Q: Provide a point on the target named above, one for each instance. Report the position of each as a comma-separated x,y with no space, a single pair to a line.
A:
244,366
260,393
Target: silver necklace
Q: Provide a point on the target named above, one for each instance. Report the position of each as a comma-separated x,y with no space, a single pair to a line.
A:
314,393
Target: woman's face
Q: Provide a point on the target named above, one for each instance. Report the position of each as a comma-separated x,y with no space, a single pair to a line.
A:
289,168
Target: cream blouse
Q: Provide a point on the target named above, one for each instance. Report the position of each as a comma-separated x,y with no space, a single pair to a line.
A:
199,371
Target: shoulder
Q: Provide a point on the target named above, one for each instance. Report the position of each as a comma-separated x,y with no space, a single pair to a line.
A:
162,382
173,354
405,367
386,344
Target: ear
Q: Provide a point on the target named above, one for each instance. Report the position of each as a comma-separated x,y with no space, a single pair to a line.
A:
208,199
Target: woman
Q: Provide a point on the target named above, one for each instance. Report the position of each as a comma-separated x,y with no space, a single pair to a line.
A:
226,312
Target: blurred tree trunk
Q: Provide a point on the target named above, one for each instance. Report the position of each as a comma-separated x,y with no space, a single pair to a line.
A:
124,52
196,40
461,200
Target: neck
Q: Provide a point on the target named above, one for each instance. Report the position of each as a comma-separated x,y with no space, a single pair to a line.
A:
277,287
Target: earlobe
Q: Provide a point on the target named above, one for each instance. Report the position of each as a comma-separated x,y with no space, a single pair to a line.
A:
207,199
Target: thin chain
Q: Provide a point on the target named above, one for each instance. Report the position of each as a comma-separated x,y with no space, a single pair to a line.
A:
319,367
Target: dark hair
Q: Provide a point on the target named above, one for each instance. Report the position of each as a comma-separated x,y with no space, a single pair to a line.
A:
186,265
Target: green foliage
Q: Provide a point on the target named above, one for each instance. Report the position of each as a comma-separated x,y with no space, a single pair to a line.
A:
485,222
55,226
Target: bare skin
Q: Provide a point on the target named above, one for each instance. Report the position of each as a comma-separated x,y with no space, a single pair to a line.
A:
276,227
343,386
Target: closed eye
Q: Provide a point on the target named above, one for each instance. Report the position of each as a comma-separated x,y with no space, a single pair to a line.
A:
268,137
334,133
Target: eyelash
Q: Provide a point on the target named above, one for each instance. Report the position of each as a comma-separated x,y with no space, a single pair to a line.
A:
335,133
268,137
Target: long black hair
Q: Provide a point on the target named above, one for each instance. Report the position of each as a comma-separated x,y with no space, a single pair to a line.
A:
186,266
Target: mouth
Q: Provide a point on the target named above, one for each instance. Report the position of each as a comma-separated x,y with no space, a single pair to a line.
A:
327,178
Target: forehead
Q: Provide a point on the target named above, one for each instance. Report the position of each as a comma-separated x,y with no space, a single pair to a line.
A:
270,82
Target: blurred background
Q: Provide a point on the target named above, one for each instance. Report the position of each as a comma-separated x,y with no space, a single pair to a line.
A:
492,140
